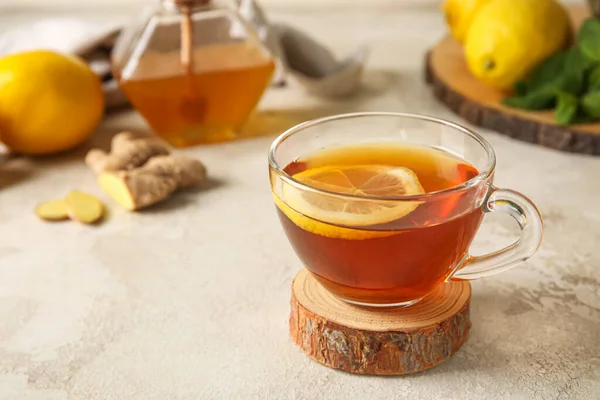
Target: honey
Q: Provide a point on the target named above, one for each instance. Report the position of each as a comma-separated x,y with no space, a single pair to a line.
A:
208,104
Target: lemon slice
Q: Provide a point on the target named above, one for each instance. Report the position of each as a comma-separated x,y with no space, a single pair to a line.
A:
358,181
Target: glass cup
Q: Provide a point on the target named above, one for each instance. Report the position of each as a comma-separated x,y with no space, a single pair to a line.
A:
397,264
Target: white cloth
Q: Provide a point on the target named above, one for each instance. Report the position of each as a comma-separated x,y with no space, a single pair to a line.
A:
298,55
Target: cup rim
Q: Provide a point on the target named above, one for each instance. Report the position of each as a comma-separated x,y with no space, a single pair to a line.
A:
482,176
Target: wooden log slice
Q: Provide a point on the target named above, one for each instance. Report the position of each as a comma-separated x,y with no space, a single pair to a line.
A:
452,83
378,341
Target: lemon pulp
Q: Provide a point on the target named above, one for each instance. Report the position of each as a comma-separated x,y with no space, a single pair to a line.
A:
322,213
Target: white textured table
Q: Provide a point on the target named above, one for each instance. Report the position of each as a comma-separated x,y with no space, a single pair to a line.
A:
190,300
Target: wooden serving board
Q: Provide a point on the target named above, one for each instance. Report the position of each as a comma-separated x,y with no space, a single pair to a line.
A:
379,341
452,83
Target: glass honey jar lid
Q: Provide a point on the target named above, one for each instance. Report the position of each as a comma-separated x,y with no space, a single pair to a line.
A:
194,69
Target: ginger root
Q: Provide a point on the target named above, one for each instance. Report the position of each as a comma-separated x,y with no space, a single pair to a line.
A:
77,206
55,210
84,207
139,172
128,151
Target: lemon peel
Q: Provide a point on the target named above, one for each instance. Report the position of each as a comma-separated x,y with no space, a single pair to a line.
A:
323,213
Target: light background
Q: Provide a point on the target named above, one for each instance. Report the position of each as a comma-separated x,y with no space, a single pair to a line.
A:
24,6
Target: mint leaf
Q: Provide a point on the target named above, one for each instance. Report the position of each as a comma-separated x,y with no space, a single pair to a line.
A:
521,88
542,99
593,80
577,61
571,78
546,72
571,82
563,71
588,38
566,108
591,104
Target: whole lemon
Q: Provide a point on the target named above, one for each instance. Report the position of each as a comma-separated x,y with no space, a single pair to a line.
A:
459,14
508,38
49,102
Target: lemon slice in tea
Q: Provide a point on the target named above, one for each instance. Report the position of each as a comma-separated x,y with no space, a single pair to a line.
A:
359,181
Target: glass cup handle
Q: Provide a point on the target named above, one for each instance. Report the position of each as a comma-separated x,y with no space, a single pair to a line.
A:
530,221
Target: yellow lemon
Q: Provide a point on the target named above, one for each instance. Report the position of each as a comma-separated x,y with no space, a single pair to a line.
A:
49,102
323,213
508,38
459,14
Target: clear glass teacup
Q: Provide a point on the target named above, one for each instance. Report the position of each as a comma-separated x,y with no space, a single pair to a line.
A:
382,207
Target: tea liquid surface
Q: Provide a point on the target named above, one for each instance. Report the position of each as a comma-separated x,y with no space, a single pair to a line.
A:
404,259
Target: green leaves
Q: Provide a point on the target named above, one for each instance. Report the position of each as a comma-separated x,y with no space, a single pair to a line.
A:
591,104
568,81
577,61
593,82
589,38
536,100
562,72
566,108
548,70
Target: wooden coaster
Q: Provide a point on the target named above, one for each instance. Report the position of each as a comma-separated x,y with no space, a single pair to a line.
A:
454,85
379,341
